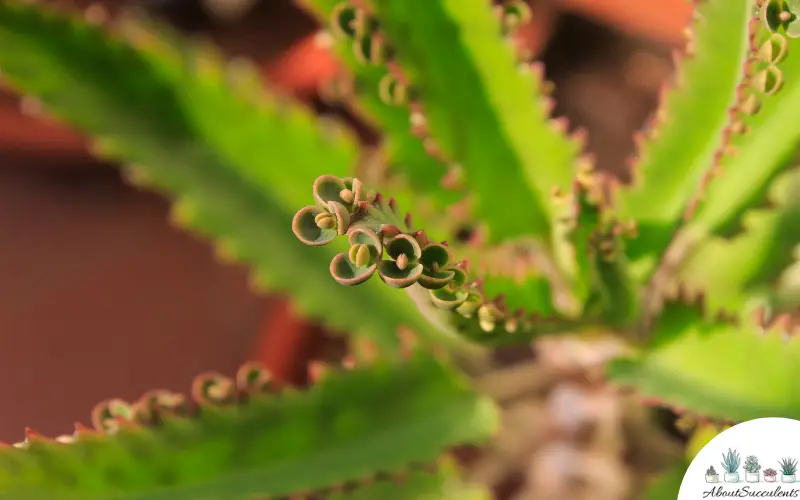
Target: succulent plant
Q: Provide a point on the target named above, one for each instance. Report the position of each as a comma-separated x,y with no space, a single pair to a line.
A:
731,461
770,472
788,466
686,265
751,464
711,471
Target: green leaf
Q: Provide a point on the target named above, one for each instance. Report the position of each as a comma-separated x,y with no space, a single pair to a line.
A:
699,368
677,154
734,271
348,426
532,292
761,153
169,108
442,485
604,283
404,152
486,112
667,486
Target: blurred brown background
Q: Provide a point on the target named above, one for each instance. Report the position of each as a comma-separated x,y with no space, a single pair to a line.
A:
101,297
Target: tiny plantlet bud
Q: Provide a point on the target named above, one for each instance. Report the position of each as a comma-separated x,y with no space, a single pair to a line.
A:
402,261
347,196
488,315
512,324
739,127
360,255
751,105
325,221
392,91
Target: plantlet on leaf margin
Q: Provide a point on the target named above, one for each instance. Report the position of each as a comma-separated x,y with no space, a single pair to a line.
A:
481,114
781,15
374,230
225,440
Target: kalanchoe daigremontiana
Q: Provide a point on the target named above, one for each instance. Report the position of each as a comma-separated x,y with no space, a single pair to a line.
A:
374,231
337,201
673,262
381,242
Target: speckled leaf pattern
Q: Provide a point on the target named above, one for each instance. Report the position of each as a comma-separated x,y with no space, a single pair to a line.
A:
674,159
485,112
347,426
166,108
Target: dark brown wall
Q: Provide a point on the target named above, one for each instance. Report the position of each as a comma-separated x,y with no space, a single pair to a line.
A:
99,297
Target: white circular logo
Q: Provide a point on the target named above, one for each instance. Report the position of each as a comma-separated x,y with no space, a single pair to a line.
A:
755,459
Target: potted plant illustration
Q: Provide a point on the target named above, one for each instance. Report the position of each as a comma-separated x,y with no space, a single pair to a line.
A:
770,475
751,469
711,475
788,467
730,464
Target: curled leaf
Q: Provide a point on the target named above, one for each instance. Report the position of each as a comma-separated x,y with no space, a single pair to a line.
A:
364,24
403,244
349,274
775,49
470,305
515,14
346,270
213,389
776,15
328,188
154,405
107,414
447,299
392,91
342,217
405,270
434,259
396,277
343,20
370,49
769,80
305,226
253,378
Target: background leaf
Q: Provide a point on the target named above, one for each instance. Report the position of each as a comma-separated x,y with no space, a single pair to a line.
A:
485,111
689,128
348,426
164,105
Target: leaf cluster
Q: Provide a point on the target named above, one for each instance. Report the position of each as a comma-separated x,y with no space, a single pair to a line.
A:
686,264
